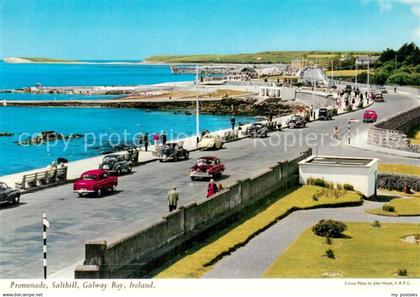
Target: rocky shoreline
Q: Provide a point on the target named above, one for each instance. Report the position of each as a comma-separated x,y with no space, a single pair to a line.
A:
243,106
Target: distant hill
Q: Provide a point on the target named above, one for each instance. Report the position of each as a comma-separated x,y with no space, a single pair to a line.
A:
17,60
257,58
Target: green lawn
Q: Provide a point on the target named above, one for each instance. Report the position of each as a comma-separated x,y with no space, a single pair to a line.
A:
195,263
400,168
369,252
402,206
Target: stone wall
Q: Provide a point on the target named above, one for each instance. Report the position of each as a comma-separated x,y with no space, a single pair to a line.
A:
391,132
136,254
397,181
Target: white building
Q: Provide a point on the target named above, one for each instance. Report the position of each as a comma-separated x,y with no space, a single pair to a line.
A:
361,173
283,93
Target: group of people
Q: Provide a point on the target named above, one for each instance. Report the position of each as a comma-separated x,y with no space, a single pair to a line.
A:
157,138
173,194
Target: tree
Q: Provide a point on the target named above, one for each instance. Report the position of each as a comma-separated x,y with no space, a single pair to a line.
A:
401,78
387,55
406,50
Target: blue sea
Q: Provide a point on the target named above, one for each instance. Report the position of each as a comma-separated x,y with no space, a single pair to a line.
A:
101,127
15,76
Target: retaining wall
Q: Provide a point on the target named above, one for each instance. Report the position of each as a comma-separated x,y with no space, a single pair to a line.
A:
138,253
391,133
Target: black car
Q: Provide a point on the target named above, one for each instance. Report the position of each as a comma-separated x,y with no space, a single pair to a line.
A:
258,130
296,121
348,89
9,195
117,163
171,152
324,114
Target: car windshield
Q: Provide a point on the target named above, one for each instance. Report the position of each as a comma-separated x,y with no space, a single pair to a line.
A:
89,177
201,162
110,159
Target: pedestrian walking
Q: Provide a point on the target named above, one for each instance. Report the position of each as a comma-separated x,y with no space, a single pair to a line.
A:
146,141
212,188
164,138
140,141
233,121
336,132
155,139
173,197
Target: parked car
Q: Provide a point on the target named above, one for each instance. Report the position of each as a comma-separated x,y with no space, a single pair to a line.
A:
324,114
296,121
348,89
210,141
377,97
8,194
171,151
383,90
370,116
207,167
258,130
95,182
117,163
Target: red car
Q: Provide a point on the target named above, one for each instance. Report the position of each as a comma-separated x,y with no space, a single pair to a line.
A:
207,167
370,116
95,182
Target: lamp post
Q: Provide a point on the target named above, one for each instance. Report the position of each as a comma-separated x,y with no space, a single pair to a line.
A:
368,76
197,106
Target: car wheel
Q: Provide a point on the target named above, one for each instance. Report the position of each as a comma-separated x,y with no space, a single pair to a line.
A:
112,189
221,144
16,199
193,178
118,171
176,158
80,195
99,192
187,155
129,169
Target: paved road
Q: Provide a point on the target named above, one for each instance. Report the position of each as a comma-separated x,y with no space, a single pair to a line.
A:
252,260
141,199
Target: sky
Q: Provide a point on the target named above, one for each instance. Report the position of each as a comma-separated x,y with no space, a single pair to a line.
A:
135,29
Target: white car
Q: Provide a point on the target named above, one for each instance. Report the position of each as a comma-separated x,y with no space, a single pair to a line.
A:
210,141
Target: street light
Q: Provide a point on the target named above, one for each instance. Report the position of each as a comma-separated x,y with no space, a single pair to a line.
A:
197,106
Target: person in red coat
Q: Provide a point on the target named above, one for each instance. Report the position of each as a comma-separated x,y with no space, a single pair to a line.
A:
212,188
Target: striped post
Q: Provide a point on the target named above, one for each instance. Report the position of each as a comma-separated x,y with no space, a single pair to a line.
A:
348,137
45,225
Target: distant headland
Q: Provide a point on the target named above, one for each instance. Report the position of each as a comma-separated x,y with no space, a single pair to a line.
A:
40,60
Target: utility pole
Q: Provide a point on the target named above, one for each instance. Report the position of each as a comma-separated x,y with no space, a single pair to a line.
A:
332,70
356,73
197,109
368,75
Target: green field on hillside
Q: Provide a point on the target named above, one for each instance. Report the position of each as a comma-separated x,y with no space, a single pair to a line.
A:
261,57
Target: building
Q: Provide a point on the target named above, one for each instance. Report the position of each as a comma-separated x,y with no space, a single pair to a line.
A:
361,173
365,60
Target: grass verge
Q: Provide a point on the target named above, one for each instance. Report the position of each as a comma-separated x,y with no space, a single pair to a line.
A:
400,168
196,263
366,252
402,207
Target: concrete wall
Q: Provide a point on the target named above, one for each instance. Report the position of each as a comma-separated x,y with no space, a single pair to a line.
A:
361,178
391,133
136,254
